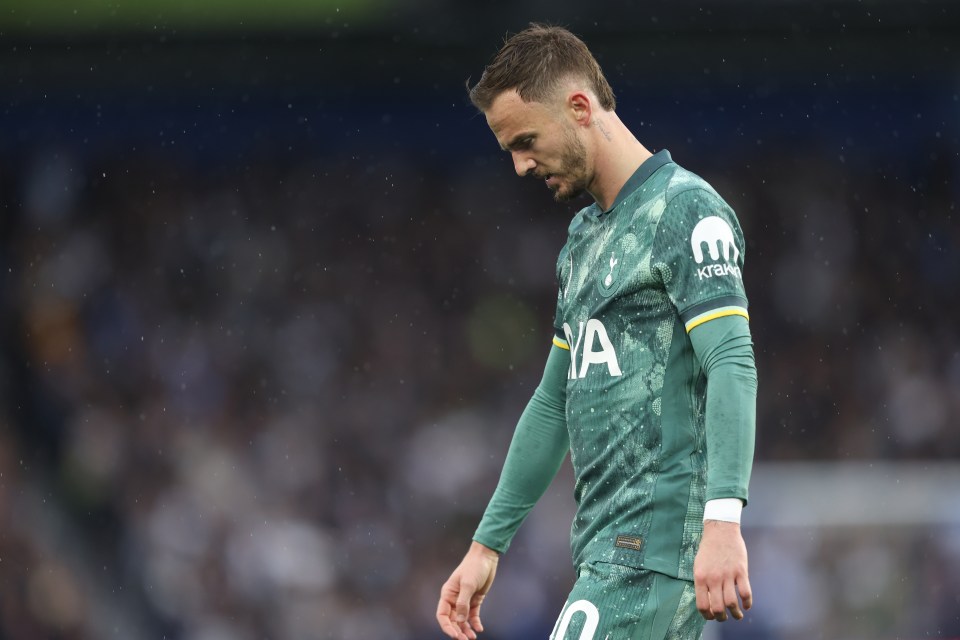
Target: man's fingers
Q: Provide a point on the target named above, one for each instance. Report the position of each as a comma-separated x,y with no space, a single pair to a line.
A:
475,623
703,600
716,599
467,589
730,599
447,625
475,612
716,607
446,611
715,596
467,631
746,593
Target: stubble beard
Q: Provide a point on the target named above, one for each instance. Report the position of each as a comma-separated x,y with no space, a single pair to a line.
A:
573,167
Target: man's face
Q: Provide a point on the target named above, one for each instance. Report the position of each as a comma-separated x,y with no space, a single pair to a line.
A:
543,141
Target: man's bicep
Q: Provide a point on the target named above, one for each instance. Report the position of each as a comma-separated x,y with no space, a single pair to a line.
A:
723,339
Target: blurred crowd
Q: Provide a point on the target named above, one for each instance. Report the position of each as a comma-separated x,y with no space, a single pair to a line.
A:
270,400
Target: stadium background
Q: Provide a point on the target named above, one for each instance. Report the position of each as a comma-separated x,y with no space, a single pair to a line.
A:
271,301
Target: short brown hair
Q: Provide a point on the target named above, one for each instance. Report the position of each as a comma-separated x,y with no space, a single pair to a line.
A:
534,62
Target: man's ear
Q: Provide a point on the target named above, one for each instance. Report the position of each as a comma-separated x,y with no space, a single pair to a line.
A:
581,107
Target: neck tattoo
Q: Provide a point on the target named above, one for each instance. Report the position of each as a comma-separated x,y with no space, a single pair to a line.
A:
603,130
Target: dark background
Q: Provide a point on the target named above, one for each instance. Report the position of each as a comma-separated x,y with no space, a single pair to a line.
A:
272,300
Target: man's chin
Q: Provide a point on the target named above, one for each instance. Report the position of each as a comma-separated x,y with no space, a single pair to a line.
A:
562,194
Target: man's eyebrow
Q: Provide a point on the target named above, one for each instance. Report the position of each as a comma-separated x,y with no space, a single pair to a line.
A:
516,140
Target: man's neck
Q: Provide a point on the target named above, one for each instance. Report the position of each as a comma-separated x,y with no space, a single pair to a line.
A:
618,154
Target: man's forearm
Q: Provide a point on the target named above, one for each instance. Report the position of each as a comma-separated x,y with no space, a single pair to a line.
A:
536,452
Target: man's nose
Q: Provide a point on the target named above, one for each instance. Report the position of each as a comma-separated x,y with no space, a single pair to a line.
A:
523,164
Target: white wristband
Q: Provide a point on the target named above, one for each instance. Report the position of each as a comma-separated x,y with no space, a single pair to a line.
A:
725,509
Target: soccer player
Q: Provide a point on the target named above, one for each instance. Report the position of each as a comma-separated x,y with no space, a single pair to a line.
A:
650,383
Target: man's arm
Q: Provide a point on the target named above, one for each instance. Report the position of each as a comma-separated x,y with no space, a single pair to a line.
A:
725,350
540,443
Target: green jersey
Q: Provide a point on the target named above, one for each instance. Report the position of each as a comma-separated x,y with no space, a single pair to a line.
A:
634,280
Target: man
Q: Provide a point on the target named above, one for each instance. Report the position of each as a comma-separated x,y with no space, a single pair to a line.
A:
650,383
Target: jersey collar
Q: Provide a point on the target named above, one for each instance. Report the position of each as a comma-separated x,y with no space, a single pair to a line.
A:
644,171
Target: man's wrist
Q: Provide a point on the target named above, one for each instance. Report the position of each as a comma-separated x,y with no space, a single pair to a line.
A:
479,547
723,509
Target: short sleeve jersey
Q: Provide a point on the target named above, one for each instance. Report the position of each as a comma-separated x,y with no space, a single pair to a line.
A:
634,280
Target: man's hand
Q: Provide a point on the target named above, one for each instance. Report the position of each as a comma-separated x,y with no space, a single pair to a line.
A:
462,594
720,571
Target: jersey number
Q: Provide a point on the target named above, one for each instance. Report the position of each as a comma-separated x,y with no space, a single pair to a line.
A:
588,609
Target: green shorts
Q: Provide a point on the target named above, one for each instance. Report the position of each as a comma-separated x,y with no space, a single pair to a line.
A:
613,602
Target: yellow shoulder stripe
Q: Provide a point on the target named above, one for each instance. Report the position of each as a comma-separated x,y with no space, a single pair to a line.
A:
557,342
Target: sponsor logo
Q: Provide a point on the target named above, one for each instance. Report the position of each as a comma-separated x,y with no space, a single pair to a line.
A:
718,236
712,270
589,337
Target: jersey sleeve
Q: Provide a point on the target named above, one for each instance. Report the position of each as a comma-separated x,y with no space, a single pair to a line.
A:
725,348
698,254
563,282
539,445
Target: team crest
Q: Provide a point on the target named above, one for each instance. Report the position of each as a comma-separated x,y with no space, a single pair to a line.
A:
612,265
609,274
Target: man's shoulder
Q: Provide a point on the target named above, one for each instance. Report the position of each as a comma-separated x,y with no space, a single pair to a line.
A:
688,199
671,185
685,183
